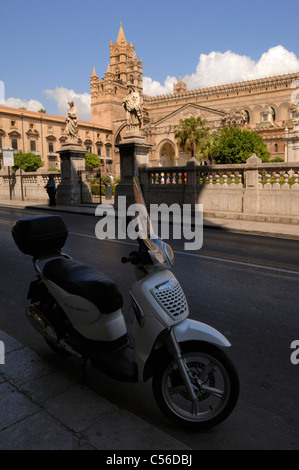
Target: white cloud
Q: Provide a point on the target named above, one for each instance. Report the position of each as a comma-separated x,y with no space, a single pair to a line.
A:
63,95
31,105
153,88
218,68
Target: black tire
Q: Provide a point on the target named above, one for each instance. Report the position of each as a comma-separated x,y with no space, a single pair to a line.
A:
220,377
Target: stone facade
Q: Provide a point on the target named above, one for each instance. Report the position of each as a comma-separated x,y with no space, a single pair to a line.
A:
263,105
44,134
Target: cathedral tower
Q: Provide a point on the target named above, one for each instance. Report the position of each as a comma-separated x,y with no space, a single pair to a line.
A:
107,94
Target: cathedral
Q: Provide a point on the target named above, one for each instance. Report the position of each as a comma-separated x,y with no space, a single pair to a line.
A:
263,105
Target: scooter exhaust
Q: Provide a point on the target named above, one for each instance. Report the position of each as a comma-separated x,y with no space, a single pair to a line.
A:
44,327
41,324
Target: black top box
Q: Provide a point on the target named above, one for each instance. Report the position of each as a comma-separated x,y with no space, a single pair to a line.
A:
40,235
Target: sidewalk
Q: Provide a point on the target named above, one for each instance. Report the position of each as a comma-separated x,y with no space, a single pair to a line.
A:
43,408
220,221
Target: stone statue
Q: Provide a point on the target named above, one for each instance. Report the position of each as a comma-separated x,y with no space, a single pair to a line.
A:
72,123
132,105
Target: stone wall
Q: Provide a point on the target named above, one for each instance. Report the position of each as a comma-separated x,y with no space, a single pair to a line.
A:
24,185
255,190
252,191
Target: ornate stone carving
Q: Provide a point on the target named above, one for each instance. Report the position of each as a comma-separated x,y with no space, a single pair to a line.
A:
72,124
132,105
235,119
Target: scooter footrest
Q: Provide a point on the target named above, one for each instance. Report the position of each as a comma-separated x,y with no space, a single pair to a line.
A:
119,364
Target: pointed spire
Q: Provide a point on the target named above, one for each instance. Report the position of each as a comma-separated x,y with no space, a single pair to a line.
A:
94,72
121,36
108,68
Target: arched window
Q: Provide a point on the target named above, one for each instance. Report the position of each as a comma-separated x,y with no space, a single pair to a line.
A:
247,116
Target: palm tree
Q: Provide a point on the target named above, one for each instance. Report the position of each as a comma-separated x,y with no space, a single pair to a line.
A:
191,132
205,150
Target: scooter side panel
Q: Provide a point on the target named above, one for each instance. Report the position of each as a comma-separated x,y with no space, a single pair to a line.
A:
191,330
86,318
145,339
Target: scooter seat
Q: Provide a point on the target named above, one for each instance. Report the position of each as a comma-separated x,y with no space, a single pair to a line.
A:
79,279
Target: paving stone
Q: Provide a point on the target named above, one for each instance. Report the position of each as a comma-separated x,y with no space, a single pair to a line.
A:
23,365
121,430
48,386
38,432
78,407
14,405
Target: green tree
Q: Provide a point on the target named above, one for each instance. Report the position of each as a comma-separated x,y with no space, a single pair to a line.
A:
205,150
42,110
236,145
191,133
92,161
27,161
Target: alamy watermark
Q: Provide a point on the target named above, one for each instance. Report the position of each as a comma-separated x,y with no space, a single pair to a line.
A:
2,353
295,354
185,223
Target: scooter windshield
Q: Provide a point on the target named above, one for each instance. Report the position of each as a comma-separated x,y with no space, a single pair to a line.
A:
159,251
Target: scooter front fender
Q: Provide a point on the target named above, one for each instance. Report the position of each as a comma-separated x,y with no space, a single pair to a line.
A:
191,330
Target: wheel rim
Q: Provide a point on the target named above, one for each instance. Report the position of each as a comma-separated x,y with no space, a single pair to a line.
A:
210,382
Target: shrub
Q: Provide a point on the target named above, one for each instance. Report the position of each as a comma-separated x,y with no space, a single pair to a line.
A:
27,161
92,161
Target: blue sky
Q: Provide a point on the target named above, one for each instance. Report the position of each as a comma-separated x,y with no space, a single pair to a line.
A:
49,48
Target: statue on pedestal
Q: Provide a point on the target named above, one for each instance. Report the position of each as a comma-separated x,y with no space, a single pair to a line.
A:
72,124
132,105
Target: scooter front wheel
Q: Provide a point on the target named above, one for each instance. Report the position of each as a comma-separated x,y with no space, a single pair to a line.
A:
214,380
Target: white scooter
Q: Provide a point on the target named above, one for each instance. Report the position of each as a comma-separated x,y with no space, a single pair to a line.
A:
78,311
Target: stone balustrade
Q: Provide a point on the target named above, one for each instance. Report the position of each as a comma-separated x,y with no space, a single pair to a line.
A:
261,191
24,185
253,188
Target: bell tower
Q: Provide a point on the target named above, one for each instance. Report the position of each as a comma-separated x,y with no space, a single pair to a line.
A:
107,94
124,64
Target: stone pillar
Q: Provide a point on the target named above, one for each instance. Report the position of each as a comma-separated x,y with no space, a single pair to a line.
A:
191,195
133,152
250,200
72,160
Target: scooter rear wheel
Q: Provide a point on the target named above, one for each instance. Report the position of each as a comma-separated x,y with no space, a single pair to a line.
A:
214,379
